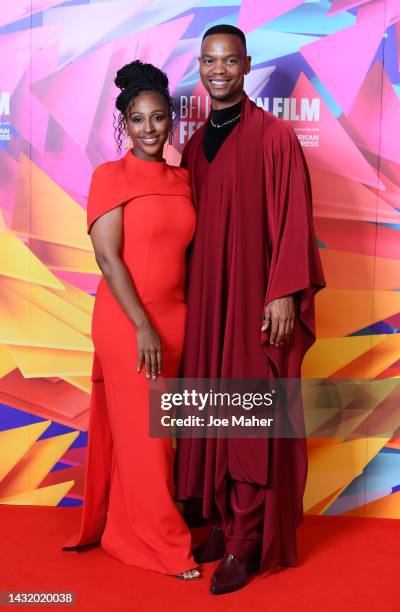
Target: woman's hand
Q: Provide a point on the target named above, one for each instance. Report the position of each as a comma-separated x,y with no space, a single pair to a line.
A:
279,319
149,350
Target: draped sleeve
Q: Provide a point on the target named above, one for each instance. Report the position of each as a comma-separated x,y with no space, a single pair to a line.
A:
103,192
295,262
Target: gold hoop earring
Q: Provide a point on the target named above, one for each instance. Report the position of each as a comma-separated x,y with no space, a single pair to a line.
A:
128,142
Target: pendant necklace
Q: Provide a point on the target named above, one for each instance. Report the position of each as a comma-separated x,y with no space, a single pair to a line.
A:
220,125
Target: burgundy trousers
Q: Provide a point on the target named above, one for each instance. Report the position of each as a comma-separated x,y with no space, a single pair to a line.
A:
243,529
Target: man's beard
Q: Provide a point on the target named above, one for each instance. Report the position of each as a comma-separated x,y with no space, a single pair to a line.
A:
225,97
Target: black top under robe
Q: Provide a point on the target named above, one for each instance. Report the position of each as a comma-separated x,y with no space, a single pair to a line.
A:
214,137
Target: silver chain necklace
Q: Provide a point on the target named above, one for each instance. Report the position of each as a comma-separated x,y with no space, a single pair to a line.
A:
220,125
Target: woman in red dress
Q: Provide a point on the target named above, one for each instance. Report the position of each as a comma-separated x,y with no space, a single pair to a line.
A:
141,220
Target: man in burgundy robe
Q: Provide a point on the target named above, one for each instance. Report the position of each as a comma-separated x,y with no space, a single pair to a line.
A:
254,269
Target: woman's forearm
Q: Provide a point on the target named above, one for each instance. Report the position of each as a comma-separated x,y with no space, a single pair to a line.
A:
119,281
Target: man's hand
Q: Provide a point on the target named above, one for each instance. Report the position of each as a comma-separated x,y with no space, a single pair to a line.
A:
279,319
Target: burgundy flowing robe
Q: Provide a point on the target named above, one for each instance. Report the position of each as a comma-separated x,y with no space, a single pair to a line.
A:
254,243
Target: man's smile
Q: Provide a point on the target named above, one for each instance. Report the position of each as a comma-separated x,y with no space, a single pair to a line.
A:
219,82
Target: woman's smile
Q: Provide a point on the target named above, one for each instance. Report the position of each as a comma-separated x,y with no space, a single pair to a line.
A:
149,140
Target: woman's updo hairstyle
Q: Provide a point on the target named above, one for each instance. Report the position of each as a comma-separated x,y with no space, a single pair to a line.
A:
132,79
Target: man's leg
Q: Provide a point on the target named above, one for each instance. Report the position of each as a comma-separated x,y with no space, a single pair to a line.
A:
242,535
244,531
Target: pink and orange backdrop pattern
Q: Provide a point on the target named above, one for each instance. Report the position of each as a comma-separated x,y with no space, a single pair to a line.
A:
331,68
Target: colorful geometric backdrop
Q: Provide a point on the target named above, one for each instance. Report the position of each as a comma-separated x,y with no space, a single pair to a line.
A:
331,68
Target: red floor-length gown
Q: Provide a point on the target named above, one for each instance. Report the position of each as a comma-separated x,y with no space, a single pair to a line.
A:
128,500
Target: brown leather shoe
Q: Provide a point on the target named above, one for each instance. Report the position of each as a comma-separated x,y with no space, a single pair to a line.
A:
232,573
211,549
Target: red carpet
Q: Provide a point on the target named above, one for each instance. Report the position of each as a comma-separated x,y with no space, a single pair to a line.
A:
345,564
